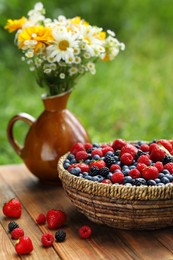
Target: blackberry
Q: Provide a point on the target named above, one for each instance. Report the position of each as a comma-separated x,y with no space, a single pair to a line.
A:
94,170
138,154
104,171
12,225
140,181
167,159
60,235
109,160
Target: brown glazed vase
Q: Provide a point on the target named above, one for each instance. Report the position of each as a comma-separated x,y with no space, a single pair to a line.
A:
49,137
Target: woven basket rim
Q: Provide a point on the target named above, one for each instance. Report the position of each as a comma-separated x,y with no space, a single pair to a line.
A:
113,191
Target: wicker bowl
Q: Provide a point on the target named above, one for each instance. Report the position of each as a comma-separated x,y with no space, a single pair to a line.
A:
122,207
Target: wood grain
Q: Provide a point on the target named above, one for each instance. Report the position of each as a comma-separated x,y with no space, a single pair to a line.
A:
105,242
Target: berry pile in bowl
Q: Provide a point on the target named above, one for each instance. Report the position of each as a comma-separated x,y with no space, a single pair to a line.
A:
127,185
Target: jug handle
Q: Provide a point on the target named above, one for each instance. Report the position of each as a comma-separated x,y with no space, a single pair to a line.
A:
23,117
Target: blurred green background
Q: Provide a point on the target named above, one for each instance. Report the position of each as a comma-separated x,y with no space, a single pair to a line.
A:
128,98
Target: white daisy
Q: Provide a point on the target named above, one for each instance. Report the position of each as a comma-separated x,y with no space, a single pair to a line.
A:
63,47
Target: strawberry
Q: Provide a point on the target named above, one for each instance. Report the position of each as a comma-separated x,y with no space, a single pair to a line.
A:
129,148
12,208
99,164
83,166
47,239
41,219
24,246
157,154
150,173
77,147
106,181
169,167
166,144
118,144
85,232
16,233
55,218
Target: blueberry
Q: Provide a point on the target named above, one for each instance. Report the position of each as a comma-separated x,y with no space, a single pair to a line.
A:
157,180
127,179
88,177
70,156
140,181
109,175
128,184
96,145
85,174
87,161
151,183
165,180
75,171
66,164
165,171
132,167
96,157
110,153
126,172
73,161
169,176
160,184
161,175
100,178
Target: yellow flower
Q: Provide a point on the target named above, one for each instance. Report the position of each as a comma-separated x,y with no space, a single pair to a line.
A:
14,25
40,35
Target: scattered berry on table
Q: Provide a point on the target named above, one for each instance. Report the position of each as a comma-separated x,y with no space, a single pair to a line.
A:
41,219
47,239
12,225
16,233
24,246
85,232
55,218
60,235
12,208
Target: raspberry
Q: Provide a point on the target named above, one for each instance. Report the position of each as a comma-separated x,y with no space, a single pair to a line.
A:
97,151
107,149
16,233
144,159
126,158
159,166
150,173
145,147
60,235
117,177
129,148
47,239
85,232
118,144
166,144
81,155
115,167
141,166
88,146
12,225
134,173
169,167
76,148
41,219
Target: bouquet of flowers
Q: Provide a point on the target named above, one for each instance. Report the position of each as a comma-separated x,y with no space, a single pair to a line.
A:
61,50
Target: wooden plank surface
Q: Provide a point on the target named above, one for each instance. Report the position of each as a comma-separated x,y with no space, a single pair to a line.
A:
105,243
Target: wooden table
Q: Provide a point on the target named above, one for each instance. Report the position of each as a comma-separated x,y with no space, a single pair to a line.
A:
105,243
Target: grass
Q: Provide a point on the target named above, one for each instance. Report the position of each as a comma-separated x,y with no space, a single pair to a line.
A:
128,98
